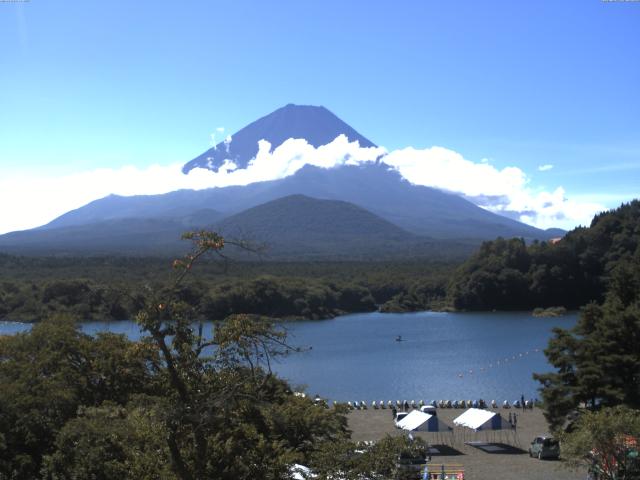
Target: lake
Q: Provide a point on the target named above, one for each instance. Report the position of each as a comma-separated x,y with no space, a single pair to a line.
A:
489,355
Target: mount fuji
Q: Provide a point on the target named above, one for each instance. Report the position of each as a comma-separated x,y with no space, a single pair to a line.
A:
374,194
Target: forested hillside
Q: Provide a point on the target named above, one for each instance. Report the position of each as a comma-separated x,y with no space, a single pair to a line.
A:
111,288
508,274
502,275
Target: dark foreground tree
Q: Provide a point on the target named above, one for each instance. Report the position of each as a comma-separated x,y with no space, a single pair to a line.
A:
598,361
180,403
220,396
46,375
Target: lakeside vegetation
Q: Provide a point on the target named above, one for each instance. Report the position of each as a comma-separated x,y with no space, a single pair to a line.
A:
510,275
175,405
76,406
111,288
504,274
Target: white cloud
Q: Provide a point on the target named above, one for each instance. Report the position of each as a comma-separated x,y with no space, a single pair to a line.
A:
227,142
212,136
448,170
31,200
545,167
506,191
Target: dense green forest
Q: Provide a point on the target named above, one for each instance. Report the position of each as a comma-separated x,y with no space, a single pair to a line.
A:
510,275
111,288
502,275
598,361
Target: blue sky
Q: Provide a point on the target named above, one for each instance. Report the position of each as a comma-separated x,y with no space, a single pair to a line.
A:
87,85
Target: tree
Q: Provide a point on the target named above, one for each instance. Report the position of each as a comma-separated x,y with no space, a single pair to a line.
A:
181,403
223,407
110,442
606,442
352,461
598,361
47,374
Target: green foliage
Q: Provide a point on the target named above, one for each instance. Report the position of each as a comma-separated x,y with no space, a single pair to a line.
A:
286,298
598,361
179,404
109,442
112,288
509,275
606,442
427,294
224,413
353,461
47,374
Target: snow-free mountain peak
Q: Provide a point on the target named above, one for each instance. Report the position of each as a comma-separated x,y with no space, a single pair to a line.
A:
317,125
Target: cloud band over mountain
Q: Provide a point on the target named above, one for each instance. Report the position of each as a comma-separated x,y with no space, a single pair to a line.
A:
505,191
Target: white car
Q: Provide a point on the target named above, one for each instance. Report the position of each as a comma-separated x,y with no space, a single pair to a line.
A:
399,417
429,409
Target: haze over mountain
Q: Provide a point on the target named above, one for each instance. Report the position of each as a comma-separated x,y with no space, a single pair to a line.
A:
373,189
294,227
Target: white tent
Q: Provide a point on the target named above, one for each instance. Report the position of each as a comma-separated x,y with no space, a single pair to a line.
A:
415,421
418,421
487,421
477,419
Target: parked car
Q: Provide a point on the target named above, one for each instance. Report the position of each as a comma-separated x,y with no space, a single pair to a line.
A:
400,416
429,409
544,447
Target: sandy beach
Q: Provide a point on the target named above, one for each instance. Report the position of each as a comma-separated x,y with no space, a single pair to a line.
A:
505,458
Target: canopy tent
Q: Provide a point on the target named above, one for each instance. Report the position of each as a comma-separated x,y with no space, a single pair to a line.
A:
418,421
492,423
477,419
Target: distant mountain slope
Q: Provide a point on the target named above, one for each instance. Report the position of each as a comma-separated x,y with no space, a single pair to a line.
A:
416,208
127,236
294,227
317,125
300,225
375,187
178,204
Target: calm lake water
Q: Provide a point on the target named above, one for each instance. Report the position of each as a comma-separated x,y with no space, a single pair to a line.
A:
441,356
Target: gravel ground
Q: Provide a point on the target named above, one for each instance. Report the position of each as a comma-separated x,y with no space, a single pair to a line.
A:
510,461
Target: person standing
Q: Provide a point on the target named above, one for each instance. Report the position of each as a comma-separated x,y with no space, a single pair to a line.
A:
522,401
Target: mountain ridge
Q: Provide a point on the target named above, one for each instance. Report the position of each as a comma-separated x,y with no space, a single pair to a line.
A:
416,208
294,227
316,124
373,186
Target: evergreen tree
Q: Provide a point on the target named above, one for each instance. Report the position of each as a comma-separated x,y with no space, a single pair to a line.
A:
598,361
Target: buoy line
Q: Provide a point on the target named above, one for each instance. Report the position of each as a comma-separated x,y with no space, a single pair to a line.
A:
500,362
